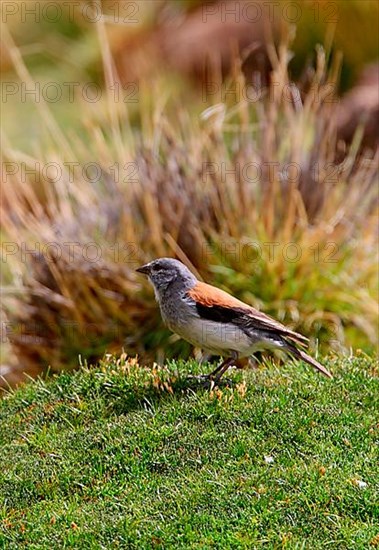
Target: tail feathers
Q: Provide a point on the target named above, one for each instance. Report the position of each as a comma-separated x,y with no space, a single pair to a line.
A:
300,354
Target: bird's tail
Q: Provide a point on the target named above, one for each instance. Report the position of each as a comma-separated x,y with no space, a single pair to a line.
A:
300,354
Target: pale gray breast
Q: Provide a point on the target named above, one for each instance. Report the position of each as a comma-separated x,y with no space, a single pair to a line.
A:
177,309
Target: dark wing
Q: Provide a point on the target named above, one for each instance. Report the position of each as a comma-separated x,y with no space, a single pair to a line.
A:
216,305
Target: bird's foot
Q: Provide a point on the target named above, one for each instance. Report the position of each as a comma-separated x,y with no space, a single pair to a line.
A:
202,379
210,382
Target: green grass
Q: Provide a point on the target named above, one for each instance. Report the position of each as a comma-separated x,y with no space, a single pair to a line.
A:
124,456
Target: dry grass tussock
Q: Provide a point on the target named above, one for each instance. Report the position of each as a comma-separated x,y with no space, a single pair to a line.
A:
226,192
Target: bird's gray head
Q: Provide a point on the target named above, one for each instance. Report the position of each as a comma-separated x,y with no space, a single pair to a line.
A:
166,272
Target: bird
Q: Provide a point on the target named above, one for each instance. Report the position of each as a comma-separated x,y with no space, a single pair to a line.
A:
215,321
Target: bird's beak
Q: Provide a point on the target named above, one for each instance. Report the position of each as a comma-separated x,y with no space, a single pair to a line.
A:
145,269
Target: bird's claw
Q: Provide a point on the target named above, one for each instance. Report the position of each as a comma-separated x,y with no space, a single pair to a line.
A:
203,379
208,381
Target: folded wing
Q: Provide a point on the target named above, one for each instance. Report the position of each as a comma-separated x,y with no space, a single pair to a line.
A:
216,305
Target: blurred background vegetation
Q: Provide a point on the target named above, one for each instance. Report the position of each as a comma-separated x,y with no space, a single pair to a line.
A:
155,95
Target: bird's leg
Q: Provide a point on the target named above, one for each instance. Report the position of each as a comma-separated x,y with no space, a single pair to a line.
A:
221,369
214,373
215,376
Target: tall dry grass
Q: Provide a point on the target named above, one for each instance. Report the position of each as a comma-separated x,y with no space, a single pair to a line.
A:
248,193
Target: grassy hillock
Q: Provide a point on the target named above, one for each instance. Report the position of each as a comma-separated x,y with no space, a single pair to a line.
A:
119,455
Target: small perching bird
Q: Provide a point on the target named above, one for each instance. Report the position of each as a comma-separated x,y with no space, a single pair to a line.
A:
215,321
